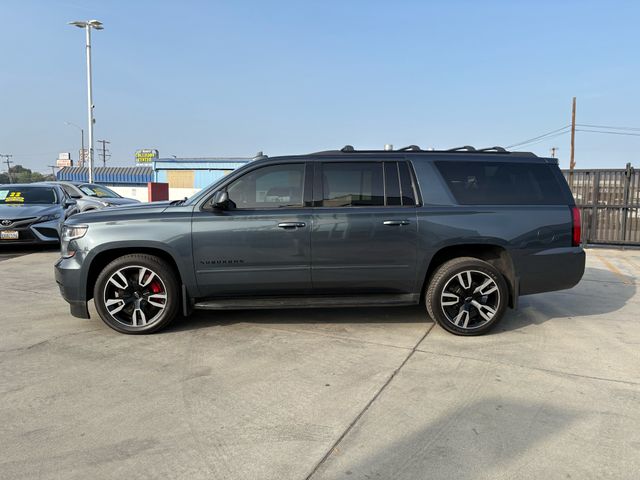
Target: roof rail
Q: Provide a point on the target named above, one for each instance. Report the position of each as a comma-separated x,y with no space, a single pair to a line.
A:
347,148
494,149
410,148
467,148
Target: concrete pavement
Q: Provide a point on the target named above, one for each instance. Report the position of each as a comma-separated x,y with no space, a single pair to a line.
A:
554,392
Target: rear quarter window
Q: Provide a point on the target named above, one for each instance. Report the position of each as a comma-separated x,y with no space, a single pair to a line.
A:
502,183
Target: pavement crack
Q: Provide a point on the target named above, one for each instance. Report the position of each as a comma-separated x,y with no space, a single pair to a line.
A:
368,405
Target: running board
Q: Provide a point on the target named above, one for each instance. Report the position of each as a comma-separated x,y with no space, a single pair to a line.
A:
318,301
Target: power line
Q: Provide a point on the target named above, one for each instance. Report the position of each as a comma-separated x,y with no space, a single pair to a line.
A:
608,127
610,133
544,135
534,142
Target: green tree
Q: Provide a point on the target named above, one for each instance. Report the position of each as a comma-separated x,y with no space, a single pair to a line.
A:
20,174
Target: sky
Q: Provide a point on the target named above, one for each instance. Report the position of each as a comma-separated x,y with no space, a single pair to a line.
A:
231,78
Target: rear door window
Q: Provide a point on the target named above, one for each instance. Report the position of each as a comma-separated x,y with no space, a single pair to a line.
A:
501,183
352,184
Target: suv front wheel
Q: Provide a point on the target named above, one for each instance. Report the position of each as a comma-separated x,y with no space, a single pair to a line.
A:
467,296
137,293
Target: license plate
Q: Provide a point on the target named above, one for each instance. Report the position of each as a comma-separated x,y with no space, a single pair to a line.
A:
9,235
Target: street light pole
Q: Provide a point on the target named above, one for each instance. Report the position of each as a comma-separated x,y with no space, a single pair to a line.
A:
89,102
87,27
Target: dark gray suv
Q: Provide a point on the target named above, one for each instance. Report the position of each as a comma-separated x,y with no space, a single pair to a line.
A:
465,231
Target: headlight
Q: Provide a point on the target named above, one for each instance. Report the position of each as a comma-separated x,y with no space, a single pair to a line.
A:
48,218
69,233
106,204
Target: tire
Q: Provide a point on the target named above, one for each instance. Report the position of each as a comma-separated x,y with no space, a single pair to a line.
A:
470,285
137,294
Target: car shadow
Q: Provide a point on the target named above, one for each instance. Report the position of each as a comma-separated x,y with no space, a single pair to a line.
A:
12,251
292,316
599,292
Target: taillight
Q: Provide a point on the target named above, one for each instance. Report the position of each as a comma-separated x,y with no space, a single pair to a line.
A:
576,229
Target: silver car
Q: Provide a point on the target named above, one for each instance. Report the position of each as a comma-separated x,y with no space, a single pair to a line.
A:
33,213
91,196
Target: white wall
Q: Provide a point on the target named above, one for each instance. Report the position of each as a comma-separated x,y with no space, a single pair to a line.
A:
140,193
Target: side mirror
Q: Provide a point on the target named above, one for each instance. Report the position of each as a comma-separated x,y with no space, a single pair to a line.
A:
220,200
69,202
77,197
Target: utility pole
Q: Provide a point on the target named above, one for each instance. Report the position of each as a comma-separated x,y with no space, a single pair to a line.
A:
8,161
554,150
53,170
572,162
104,152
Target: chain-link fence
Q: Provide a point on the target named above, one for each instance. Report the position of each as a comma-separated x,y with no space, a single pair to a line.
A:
609,201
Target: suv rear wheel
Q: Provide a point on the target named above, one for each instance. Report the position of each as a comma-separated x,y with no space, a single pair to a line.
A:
137,294
467,296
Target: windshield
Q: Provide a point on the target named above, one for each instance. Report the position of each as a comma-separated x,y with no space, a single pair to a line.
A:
27,196
94,190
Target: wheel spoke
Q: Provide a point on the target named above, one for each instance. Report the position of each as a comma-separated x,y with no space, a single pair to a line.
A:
154,300
453,299
463,315
485,311
119,304
138,315
119,280
141,280
464,278
487,283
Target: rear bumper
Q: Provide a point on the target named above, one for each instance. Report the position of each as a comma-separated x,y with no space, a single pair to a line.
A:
551,270
72,288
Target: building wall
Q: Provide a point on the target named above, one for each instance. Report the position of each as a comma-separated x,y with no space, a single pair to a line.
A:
142,194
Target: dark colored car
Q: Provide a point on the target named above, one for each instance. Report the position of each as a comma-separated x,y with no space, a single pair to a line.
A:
33,213
91,196
465,231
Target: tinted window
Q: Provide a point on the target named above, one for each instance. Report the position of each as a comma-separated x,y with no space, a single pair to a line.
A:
497,183
392,183
272,186
352,184
406,185
27,195
69,190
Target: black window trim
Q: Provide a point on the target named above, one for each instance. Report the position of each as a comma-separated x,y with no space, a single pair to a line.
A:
318,192
307,178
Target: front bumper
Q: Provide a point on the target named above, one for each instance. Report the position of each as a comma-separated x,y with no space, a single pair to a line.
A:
70,280
46,233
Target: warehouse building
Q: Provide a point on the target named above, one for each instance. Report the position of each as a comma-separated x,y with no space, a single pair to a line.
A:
185,176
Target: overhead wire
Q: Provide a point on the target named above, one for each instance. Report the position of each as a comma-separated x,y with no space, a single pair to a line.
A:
557,131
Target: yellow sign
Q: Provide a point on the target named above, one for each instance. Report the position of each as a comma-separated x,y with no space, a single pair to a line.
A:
146,155
14,197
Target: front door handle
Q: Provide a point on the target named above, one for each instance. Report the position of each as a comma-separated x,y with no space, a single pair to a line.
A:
292,225
396,222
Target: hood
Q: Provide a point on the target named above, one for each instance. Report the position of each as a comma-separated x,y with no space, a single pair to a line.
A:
11,212
136,210
120,201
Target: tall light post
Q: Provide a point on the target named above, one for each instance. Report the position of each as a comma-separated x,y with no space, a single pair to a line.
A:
81,141
88,25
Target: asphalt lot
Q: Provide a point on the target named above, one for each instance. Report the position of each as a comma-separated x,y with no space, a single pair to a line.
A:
324,394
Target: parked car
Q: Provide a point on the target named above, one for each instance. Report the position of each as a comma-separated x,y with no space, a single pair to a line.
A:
91,196
33,213
465,231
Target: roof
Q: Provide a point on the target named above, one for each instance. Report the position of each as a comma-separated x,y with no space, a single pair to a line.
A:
134,175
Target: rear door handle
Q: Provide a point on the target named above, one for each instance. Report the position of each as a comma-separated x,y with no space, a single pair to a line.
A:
396,222
292,225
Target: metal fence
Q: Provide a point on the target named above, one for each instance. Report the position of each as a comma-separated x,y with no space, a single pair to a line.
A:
609,201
